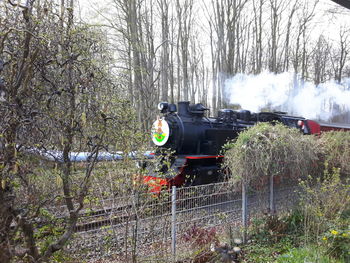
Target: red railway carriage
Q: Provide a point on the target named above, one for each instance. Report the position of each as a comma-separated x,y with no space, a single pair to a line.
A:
324,127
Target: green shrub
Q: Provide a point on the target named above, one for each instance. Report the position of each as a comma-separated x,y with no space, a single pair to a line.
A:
265,252
295,220
325,204
200,239
336,150
337,242
271,228
306,254
269,150
258,253
198,236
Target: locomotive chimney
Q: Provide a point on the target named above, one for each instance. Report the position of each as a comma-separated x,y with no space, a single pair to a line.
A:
183,108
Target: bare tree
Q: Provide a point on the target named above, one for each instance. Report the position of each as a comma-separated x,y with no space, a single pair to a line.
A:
320,59
185,20
17,69
164,13
277,9
339,57
135,27
305,16
51,103
258,30
289,28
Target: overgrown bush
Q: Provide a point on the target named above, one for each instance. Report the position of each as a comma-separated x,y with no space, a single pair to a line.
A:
271,228
200,240
265,252
325,204
306,254
337,242
336,150
199,236
318,229
322,219
270,150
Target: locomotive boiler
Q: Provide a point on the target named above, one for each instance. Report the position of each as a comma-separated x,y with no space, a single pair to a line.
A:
195,141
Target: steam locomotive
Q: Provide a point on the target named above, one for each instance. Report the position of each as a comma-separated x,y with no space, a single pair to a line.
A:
195,141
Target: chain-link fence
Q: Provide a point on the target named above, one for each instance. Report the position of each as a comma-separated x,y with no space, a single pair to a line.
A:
153,227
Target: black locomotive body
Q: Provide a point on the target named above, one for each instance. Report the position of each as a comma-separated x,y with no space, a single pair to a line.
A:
196,141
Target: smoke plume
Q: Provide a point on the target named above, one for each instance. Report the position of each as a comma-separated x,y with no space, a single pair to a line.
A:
286,92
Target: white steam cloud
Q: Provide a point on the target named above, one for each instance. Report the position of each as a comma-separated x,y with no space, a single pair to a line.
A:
285,92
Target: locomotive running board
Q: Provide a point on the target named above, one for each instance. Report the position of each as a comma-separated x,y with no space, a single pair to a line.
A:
197,157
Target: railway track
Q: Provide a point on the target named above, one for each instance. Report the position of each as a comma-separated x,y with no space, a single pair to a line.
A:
95,219
115,216
112,212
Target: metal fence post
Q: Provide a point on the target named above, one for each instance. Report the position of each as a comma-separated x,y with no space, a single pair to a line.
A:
244,211
173,222
272,201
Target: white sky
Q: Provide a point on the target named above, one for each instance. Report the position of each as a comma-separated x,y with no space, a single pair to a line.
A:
329,16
